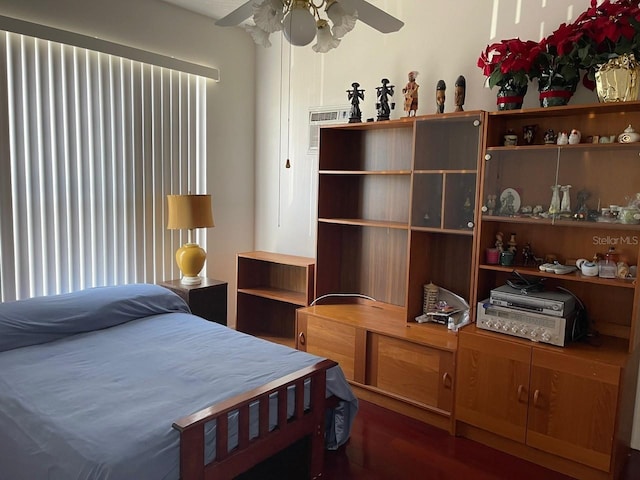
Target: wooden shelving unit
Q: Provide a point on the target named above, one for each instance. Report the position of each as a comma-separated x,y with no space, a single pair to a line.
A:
396,210
271,287
567,408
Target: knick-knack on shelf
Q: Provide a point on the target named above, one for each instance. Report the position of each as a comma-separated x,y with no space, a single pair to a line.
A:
383,106
459,93
355,95
410,92
441,89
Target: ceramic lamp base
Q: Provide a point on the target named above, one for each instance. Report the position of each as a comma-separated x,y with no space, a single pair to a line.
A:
191,280
190,259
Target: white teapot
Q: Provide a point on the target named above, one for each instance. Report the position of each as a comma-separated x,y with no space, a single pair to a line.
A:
629,135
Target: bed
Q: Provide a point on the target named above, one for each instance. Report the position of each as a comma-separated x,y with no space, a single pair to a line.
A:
123,382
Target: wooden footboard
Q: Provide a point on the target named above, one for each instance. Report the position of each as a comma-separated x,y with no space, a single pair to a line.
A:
250,452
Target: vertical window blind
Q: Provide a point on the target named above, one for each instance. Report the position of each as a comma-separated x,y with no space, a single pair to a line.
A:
90,145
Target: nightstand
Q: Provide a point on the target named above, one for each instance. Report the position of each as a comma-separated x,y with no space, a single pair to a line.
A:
207,300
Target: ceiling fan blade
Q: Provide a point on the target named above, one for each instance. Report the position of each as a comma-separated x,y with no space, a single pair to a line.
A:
238,16
373,16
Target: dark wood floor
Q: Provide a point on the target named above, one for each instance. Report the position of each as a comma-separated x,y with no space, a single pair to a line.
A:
386,445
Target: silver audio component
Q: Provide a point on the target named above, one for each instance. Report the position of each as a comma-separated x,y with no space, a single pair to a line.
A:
558,304
533,326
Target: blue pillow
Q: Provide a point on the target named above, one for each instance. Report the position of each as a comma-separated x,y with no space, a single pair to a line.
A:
44,319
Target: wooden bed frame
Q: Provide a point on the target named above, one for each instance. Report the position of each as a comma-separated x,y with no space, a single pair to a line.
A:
250,452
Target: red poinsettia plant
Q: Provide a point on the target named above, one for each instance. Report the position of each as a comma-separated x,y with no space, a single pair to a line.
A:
508,63
556,61
605,31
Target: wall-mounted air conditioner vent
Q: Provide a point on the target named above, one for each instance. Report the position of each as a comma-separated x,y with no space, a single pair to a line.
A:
324,116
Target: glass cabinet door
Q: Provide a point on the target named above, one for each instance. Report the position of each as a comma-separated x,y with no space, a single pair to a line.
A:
445,172
521,182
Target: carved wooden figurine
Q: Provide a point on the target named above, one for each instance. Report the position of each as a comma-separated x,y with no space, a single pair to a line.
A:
459,93
411,95
441,88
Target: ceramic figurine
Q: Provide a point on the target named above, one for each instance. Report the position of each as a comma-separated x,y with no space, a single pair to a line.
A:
563,138
529,133
574,137
459,93
510,139
441,89
554,207
582,210
410,92
491,204
549,136
629,135
355,95
384,92
513,245
565,205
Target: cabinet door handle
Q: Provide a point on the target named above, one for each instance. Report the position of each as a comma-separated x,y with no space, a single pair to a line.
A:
521,391
536,397
447,381
301,338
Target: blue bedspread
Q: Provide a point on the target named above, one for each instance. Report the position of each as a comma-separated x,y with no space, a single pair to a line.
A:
100,404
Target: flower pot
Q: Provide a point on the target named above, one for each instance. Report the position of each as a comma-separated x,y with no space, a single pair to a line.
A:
617,80
556,95
511,98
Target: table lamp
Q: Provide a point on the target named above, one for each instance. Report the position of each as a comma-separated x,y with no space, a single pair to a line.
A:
190,212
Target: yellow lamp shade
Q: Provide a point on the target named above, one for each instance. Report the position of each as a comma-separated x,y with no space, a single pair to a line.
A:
189,212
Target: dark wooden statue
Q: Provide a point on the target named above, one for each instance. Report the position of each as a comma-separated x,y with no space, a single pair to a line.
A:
459,93
355,95
441,88
384,92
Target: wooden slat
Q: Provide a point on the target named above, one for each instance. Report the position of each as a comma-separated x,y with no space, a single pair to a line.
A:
243,427
263,420
282,407
192,453
299,409
222,437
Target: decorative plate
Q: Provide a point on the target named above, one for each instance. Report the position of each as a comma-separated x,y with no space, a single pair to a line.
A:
509,202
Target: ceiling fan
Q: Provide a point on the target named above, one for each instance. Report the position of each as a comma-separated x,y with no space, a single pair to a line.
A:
301,20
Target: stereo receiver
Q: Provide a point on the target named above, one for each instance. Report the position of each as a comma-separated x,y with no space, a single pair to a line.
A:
534,326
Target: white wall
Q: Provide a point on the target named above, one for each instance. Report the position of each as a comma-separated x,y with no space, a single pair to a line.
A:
163,28
441,40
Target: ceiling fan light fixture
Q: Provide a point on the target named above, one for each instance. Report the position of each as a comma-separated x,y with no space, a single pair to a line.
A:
268,15
260,37
297,19
325,39
299,25
343,22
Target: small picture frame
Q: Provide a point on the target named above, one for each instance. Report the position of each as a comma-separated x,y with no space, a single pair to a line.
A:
595,139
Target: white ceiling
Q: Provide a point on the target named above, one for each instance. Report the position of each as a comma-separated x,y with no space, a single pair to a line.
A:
215,9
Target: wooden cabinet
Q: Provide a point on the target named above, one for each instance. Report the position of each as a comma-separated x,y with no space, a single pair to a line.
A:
561,403
396,211
207,299
406,367
567,408
271,287
494,385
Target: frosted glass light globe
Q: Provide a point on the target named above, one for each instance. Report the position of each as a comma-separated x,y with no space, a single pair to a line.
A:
299,27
